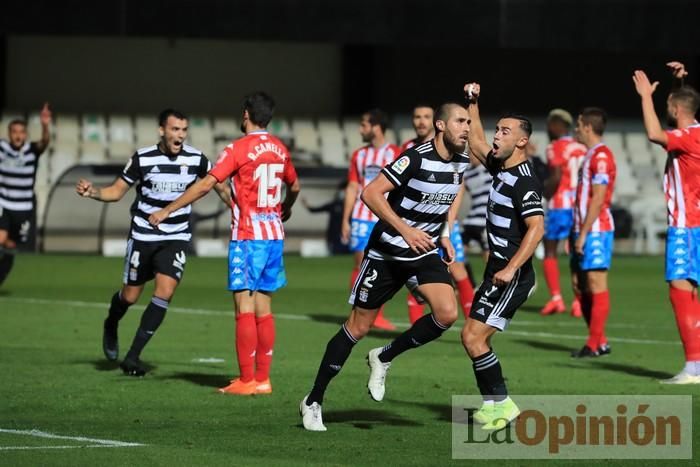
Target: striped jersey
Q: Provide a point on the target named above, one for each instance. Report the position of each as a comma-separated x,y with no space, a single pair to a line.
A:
598,168
17,175
682,177
257,164
515,195
365,165
477,181
426,186
567,154
162,179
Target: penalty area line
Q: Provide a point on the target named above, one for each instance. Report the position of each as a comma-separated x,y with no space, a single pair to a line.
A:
89,442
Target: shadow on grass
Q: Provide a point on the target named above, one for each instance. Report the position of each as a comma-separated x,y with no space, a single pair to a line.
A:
633,370
367,419
104,365
443,412
201,379
339,320
5,293
545,345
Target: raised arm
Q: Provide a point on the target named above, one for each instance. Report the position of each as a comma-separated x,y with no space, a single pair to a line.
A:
109,194
45,118
478,147
679,73
646,89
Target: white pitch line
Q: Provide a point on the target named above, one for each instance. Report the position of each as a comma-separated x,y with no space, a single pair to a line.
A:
101,442
27,448
516,322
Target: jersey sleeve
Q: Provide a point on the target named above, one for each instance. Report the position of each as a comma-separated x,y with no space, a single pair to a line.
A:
226,165
601,165
402,169
353,174
684,141
131,171
204,167
527,197
36,149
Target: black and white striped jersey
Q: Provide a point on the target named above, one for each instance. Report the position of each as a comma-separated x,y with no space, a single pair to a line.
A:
426,186
477,181
162,179
515,195
17,175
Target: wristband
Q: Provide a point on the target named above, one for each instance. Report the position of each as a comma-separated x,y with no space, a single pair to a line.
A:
445,233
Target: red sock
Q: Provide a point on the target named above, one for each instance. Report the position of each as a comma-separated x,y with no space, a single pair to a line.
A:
353,277
551,276
246,342
599,315
415,309
266,341
466,295
687,311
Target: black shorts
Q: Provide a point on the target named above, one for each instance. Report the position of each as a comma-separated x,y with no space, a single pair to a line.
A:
474,233
21,227
496,306
379,280
144,259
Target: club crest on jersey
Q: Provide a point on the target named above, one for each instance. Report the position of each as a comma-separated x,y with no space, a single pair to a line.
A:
455,178
401,165
184,169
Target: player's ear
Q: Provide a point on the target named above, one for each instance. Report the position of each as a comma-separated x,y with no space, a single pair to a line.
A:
440,125
522,142
161,131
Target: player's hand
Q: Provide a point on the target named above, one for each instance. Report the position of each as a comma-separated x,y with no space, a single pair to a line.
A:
642,84
448,249
417,240
503,277
677,69
158,217
580,242
345,232
84,188
472,92
45,115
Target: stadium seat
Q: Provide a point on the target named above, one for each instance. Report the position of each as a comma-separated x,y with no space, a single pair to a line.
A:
614,140
121,128
626,186
226,128
63,156
390,136
200,133
92,152
279,126
94,128
649,214
406,134
659,156
351,128
305,135
333,151
146,127
637,143
67,129
120,151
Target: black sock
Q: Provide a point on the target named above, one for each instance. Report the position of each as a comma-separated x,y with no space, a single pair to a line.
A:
7,260
470,273
150,321
337,352
426,329
117,309
489,376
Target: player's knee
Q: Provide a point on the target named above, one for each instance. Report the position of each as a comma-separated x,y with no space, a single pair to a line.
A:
446,313
475,344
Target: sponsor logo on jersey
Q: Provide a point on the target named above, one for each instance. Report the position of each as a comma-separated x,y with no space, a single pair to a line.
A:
437,198
169,187
154,170
531,195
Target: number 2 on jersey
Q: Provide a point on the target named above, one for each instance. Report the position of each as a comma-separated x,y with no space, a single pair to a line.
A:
268,179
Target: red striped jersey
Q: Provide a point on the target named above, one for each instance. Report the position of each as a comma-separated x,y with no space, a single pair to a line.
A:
567,154
365,165
682,177
257,165
598,168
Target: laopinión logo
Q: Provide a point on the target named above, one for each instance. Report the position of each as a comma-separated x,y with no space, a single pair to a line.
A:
579,427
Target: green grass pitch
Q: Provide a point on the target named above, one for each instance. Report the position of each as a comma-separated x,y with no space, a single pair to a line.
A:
55,379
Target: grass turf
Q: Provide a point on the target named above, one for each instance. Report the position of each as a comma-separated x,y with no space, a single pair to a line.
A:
55,379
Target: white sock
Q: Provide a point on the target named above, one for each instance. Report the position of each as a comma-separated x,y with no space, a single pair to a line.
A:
692,368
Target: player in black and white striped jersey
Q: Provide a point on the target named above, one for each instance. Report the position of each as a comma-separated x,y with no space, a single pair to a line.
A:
163,172
19,159
477,182
515,225
421,185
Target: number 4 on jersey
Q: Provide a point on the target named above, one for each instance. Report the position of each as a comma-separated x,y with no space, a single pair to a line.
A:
268,179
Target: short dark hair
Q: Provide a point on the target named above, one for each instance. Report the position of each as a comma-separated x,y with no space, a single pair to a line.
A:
524,122
422,104
378,117
688,96
443,112
596,117
17,121
260,107
167,113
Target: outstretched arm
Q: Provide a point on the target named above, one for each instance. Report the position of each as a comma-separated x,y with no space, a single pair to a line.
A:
478,147
646,89
193,193
109,194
